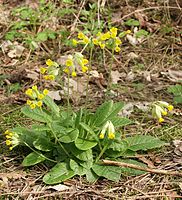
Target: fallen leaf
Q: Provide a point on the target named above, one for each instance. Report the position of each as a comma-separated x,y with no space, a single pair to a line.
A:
127,110
115,77
174,76
59,187
130,76
32,74
55,95
17,51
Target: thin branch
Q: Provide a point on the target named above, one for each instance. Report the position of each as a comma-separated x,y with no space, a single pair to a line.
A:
153,171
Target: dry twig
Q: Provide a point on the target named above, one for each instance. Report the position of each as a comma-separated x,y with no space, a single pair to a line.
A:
153,171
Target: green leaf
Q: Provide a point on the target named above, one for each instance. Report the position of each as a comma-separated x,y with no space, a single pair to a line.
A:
132,22
91,176
81,155
141,33
129,171
84,144
42,37
120,121
112,173
115,110
102,113
43,144
143,142
52,105
78,169
36,114
89,130
177,92
69,135
32,159
59,173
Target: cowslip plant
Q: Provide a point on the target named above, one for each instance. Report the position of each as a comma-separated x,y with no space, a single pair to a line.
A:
160,109
74,143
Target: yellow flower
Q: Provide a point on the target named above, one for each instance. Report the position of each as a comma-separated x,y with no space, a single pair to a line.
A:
103,37
128,31
51,77
40,96
29,92
29,102
39,103
99,34
170,107
164,112
113,31
73,73
7,132
95,41
117,49
118,41
34,87
43,70
49,62
84,69
74,42
69,62
102,45
85,40
66,70
45,91
101,136
8,142
32,106
160,120
85,61
111,136
108,35
8,136
81,35
46,77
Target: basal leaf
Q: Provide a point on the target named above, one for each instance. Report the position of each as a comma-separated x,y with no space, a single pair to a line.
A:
69,135
115,110
91,176
143,142
59,173
112,173
120,121
129,171
43,144
84,144
102,113
81,155
36,114
52,105
78,169
32,159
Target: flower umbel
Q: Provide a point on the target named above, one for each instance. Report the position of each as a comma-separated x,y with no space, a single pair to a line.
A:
12,139
159,109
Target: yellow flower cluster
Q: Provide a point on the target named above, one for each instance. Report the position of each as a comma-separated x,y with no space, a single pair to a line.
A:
51,71
107,38
12,139
160,109
74,62
36,97
83,39
109,128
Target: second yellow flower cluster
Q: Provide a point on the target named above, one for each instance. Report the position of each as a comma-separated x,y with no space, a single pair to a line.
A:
75,62
36,97
12,139
159,109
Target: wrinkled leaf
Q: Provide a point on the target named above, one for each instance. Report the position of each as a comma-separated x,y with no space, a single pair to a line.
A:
32,159
59,173
143,142
84,144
